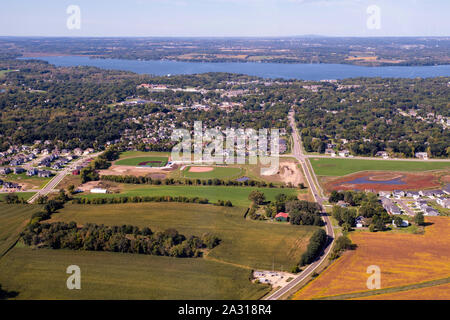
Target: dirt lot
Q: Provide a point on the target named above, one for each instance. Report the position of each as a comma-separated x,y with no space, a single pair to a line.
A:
383,181
289,172
201,169
134,171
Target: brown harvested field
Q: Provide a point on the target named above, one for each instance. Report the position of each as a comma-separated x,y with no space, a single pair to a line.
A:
441,292
201,169
383,181
404,259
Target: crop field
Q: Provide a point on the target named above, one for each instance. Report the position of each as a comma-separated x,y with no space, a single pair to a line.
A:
13,218
214,172
439,292
237,195
143,161
404,259
342,167
107,275
253,244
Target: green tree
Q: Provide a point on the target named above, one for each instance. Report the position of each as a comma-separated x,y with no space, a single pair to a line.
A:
257,197
419,219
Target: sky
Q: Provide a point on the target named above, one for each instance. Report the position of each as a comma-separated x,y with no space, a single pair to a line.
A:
224,18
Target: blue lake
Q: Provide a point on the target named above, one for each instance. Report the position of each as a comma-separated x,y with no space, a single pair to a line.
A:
364,180
264,70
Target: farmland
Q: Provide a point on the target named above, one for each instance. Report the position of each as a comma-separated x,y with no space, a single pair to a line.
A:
341,167
237,195
13,218
253,244
107,275
404,259
223,273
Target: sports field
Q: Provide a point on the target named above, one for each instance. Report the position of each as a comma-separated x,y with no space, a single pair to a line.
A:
237,195
107,275
341,167
214,172
143,161
13,218
254,244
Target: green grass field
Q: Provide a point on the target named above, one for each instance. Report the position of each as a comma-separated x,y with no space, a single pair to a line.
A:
217,172
23,178
254,244
21,195
41,274
341,167
13,218
137,160
237,195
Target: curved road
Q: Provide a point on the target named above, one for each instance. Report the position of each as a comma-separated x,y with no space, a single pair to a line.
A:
298,154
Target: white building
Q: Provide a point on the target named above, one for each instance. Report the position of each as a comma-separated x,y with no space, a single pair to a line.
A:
98,190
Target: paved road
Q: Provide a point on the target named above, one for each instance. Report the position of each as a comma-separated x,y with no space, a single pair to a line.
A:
51,185
298,153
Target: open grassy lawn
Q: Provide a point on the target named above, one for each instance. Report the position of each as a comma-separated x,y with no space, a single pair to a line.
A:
157,161
237,195
21,195
253,244
134,154
217,172
106,275
342,167
13,218
33,182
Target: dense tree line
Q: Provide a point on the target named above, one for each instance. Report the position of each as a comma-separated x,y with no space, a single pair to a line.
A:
315,247
136,199
188,182
125,239
304,212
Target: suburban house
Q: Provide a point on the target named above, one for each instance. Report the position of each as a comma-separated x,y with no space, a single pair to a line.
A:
427,193
383,154
385,194
422,155
390,206
344,153
360,222
44,174
429,211
281,216
447,189
5,170
342,204
403,224
399,194
18,170
413,194
445,203
32,172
